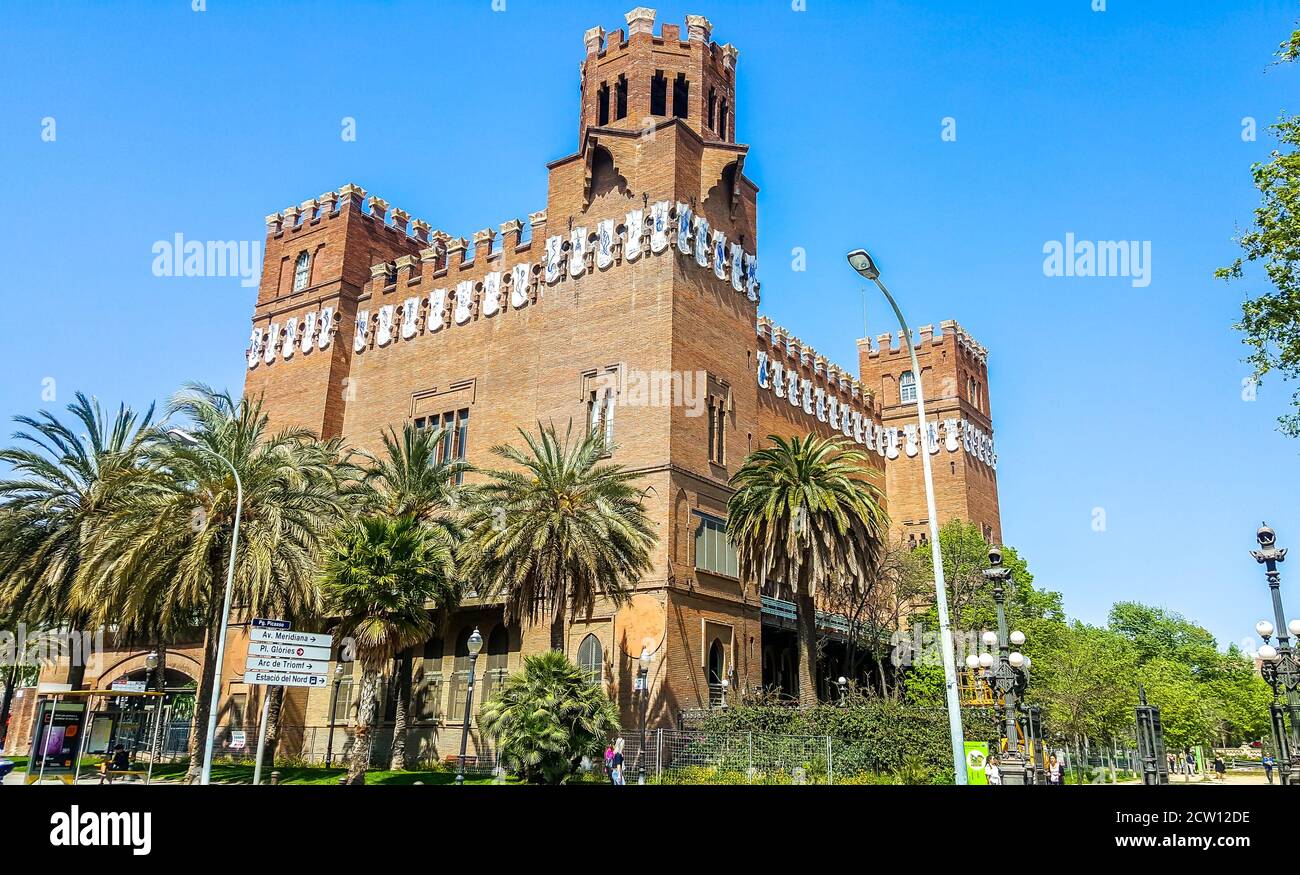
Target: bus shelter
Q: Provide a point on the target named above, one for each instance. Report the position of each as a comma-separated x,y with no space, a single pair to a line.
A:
67,730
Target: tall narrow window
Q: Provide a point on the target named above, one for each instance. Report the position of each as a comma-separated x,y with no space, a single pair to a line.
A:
713,101
591,659
342,693
717,672
722,121
600,413
460,677
302,271
907,388
659,94
427,704
718,431
681,92
620,97
602,104
498,658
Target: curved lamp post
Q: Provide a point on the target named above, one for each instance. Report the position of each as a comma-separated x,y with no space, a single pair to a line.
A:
861,262
186,439
1278,664
475,644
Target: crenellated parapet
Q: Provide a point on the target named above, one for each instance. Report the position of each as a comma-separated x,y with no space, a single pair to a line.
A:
807,381
453,283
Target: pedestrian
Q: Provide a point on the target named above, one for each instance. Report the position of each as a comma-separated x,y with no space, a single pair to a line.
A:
1055,771
618,763
1173,765
992,772
1268,767
1220,768
609,761
1190,765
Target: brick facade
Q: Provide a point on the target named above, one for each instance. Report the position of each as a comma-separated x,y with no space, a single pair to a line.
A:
518,353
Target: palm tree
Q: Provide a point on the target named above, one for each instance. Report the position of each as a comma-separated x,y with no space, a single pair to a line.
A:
414,476
547,718
59,484
804,514
380,578
159,555
558,531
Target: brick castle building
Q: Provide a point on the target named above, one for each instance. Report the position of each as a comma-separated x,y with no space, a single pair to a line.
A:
629,302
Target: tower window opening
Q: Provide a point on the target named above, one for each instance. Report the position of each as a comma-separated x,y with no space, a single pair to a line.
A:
681,91
713,101
907,388
659,94
620,97
302,271
722,121
602,104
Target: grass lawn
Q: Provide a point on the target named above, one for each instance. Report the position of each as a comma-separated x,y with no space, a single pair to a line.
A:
242,773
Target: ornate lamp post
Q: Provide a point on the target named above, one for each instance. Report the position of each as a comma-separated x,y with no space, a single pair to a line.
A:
475,644
643,691
1278,664
1007,674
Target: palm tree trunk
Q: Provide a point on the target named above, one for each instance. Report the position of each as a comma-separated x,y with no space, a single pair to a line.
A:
397,759
274,710
6,704
557,631
806,609
203,695
359,758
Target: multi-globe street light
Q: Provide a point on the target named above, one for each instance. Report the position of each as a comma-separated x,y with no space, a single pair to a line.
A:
1278,664
1007,674
475,644
186,439
862,262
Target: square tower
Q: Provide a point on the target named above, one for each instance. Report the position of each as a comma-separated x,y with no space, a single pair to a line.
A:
954,377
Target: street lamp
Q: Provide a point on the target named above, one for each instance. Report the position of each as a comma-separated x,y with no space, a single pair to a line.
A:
186,439
1278,664
334,706
861,262
475,644
1007,674
643,689
151,665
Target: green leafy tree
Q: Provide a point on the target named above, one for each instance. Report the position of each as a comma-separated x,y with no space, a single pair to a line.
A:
557,531
545,719
158,557
416,475
1084,678
806,514
381,578
62,480
1186,714
1270,320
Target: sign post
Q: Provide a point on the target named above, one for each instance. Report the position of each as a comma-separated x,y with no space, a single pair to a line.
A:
281,657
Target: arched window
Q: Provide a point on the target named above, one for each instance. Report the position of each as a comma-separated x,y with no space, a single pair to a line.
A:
907,388
591,658
427,705
301,271
717,671
498,658
460,676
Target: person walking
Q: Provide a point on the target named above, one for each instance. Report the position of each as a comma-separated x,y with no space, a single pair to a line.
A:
992,772
1268,767
1220,768
1055,771
609,762
617,770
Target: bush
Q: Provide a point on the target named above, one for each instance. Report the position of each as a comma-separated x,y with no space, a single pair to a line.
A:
871,735
545,719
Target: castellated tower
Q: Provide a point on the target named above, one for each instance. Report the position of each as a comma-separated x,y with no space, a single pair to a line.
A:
954,377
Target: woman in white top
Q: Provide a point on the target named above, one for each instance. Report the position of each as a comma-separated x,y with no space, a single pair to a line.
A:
992,772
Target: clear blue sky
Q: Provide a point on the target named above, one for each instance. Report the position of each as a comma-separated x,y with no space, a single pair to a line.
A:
1123,124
